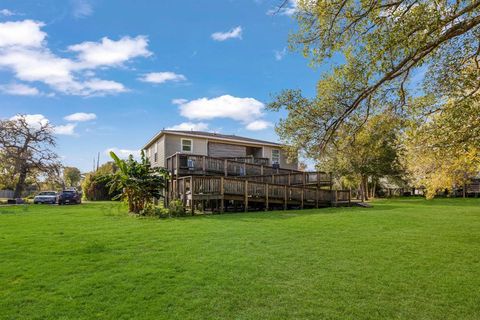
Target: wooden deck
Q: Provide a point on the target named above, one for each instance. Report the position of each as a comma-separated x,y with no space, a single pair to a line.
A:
223,184
223,194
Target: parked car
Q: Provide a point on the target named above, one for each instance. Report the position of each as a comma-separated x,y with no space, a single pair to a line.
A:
69,196
46,197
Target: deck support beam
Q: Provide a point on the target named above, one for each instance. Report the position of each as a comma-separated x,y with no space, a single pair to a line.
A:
222,194
266,197
246,196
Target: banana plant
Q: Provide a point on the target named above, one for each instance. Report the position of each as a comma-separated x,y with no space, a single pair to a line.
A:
138,181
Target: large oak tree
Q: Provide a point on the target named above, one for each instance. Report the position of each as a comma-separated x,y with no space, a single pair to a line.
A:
27,148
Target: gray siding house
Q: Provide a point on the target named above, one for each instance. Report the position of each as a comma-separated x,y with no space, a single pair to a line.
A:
168,142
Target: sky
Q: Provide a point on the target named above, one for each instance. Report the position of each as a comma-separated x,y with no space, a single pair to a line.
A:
110,74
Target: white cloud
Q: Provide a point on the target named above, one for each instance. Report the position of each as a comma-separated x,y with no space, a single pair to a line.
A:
81,117
258,125
248,111
19,89
67,129
23,51
231,34
33,120
24,33
123,153
6,13
37,120
161,77
280,54
190,126
110,52
288,9
179,101
81,8
226,106
100,87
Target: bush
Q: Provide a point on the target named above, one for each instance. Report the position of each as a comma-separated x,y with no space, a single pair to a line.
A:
175,208
151,210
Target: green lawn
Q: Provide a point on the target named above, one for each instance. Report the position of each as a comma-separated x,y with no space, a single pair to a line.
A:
402,259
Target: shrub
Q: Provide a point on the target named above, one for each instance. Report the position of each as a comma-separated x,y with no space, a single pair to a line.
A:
175,208
150,210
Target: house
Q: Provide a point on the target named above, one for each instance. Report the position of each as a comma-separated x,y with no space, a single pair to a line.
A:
168,142
218,172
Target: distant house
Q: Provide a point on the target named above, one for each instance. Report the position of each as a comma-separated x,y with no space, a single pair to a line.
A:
169,142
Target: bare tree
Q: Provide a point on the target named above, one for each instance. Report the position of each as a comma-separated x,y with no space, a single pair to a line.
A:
27,147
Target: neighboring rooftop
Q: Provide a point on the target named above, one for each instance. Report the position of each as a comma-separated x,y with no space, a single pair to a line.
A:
213,135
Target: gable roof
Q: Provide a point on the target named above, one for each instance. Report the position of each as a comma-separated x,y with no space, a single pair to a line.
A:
214,136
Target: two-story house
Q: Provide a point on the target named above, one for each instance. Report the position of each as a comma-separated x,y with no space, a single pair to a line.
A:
168,142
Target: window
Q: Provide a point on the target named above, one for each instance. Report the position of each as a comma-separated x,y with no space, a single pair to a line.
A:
186,145
275,156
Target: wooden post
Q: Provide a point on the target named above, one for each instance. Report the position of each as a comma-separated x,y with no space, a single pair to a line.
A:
184,194
304,179
222,192
349,197
316,198
303,196
225,167
285,199
331,181
245,168
176,170
261,170
266,197
273,178
246,196
204,164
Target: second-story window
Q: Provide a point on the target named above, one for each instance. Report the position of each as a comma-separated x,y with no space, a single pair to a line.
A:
186,145
275,156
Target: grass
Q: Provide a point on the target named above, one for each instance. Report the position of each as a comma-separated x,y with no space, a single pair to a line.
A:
402,259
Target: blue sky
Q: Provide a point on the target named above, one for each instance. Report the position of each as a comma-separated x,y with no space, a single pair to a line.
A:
110,74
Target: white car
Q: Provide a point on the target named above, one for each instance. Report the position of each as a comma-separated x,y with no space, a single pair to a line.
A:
46,197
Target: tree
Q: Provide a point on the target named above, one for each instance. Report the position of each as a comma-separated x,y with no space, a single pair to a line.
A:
373,153
72,176
443,150
377,46
26,147
139,181
96,185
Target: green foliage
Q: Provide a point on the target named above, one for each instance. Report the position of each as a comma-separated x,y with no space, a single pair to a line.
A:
71,176
443,151
176,209
373,153
139,181
381,46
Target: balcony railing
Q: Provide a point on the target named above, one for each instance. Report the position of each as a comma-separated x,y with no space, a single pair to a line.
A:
181,164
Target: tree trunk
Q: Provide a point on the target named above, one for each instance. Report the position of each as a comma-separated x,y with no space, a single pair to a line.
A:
365,187
374,187
20,186
464,190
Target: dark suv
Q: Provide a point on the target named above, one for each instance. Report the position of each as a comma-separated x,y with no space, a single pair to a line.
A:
69,196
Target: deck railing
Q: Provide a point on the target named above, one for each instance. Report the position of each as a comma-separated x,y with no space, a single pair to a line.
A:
185,164
181,164
259,161
224,188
